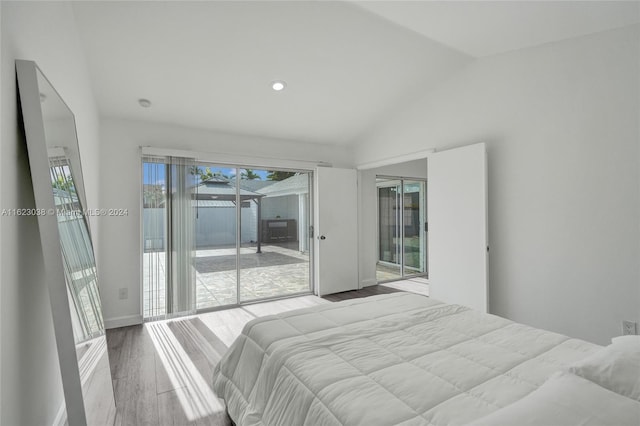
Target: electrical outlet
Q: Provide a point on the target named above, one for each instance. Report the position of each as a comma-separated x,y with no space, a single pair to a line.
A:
123,293
629,327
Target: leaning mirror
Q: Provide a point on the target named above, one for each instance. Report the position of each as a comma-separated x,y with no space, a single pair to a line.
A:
56,174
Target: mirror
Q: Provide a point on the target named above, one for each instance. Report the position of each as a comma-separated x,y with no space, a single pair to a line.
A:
56,174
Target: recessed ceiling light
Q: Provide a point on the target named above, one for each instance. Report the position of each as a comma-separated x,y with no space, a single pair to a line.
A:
278,85
144,103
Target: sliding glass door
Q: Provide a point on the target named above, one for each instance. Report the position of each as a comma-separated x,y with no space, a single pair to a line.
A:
249,235
401,228
275,244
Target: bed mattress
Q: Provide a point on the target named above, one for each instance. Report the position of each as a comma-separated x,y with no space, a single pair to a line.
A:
396,359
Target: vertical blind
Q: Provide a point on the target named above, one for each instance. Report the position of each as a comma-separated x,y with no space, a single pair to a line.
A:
182,282
168,245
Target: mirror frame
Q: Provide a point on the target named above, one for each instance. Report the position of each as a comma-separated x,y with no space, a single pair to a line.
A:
34,128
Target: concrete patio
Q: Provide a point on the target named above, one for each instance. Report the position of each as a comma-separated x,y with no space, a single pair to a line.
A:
279,270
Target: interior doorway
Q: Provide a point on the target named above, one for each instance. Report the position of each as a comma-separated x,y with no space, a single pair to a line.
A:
402,228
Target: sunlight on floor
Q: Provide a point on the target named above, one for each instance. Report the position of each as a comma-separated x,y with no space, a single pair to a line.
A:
195,396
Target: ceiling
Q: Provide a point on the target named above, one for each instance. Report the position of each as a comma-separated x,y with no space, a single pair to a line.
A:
483,28
348,65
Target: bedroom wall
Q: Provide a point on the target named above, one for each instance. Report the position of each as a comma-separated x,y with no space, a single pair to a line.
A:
561,123
1,102
368,211
31,385
119,250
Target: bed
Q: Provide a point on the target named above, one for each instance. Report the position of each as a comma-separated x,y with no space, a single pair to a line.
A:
395,359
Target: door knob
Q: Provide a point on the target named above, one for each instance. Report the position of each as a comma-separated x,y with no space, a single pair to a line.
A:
322,237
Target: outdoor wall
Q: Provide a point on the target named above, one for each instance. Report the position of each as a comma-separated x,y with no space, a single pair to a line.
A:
214,227
368,211
31,385
284,207
119,249
561,124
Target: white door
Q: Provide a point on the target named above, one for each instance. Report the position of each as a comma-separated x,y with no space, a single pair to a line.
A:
457,217
336,230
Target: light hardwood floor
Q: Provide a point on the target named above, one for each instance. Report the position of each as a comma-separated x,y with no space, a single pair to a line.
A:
162,371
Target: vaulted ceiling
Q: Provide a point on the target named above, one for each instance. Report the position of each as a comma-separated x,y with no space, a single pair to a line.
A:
347,65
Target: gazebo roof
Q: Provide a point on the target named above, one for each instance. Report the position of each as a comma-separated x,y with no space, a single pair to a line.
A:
296,184
218,188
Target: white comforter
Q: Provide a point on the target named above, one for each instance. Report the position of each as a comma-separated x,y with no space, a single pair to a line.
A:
385,360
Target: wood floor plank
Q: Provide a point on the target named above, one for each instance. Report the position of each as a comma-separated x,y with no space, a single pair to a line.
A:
138,397
170,410
414,285
218,345
163,382
119,346
356,294
115,337
181,331
119,390
172,413
203,338
227,324
141,344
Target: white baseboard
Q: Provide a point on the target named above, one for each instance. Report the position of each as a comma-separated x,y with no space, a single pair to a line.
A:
61,417
122,321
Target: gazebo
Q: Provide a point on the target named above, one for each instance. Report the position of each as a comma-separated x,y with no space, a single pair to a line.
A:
218,191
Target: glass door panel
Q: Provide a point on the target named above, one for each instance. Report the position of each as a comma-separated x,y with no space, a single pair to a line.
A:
414,240
389,265
274,233
154,238
216,223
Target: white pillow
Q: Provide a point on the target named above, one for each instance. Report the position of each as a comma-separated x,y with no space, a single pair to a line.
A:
631,342
616,367
567,400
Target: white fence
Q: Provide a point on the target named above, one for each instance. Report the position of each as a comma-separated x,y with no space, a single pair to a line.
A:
214,226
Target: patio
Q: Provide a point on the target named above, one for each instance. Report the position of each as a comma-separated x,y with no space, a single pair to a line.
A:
279,270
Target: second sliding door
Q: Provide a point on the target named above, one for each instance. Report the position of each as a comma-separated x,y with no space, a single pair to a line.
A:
402,233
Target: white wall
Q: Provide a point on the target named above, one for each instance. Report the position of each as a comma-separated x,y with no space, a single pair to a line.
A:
119,247
1,258
561,126
46,33
368,211
284,207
